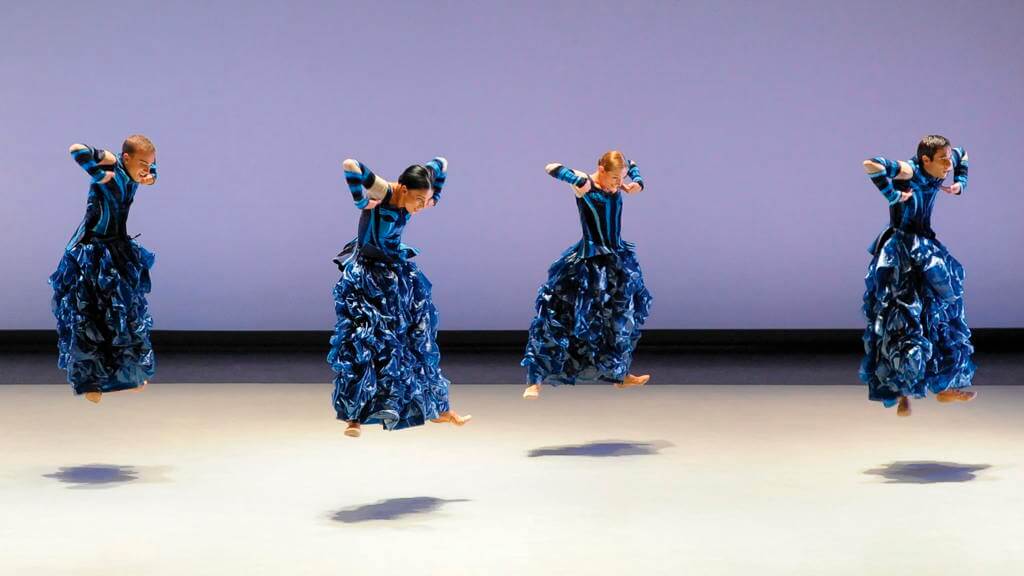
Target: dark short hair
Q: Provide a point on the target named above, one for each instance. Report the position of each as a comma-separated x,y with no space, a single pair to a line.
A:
931,144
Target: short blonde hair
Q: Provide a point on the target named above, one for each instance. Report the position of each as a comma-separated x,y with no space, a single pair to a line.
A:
612,161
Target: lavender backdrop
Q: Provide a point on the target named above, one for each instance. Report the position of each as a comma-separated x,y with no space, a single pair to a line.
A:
749,121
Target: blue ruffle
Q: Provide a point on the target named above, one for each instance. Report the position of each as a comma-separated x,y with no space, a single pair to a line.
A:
103,321
589,315
917,339
384,348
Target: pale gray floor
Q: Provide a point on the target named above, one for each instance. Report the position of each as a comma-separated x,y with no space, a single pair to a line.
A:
701,480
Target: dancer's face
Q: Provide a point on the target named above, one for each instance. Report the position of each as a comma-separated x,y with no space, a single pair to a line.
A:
939,165
137,164
416,200
610,180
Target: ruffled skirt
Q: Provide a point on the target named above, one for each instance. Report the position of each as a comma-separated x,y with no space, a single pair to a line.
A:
384,348
917,339
589,315
103,321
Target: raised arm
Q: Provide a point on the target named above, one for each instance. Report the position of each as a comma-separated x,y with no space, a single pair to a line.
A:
960,169
363,183
634,174
93,160
883,171
580,181
438,167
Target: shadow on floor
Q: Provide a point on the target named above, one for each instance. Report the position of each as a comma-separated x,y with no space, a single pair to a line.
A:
107,475
603,449
392,509
927,472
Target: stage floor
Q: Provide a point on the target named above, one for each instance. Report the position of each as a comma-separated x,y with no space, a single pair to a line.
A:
258,479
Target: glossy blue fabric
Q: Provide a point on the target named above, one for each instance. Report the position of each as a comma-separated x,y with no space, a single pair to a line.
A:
917,339
384,349
589,315
103,321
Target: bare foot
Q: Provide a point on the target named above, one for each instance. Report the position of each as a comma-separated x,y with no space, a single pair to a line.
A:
956,395
532,392
140,388
94,397
903,408
452,417
353,430
630,380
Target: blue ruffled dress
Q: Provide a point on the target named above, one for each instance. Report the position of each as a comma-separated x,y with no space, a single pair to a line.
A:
590,311
384,349
99,295
917,339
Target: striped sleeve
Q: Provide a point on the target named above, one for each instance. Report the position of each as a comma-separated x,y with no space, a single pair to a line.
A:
634,174
564,174
960,168
438,167
360,182
89,159
883,180
152,170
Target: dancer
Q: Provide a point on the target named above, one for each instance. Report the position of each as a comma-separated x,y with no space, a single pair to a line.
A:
101,282
917,340
590,310
384,350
